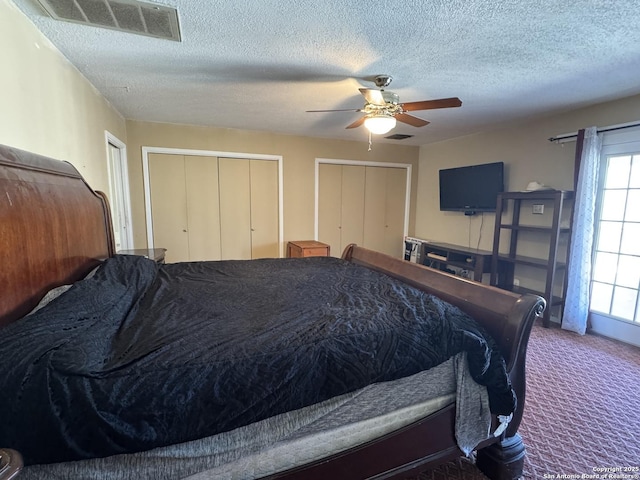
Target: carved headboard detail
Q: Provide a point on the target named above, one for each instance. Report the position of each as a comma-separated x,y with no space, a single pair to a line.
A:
53,229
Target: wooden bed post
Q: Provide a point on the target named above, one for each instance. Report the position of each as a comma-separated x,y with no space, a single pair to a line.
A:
503,460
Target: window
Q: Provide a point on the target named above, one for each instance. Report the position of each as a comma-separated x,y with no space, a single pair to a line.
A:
616,259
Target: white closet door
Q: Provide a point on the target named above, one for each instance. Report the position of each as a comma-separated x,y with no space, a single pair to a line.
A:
203,207
208,208
385,209
264,209
362,205
352,210
330,206
169,205
375,208
235,208
396,188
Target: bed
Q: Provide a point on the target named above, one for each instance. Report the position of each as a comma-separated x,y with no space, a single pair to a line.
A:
56,232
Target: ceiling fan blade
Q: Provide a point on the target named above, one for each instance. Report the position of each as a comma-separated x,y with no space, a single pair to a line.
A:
432,104
411,120
344,110
357,123
373,96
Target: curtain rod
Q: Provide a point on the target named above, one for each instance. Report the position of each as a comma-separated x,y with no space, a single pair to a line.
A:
565,137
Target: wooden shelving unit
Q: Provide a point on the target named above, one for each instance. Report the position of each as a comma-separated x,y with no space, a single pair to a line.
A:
503,264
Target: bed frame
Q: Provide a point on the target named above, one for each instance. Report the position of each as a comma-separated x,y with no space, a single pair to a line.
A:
54,229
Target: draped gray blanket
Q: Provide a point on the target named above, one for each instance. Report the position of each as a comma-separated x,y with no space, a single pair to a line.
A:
141,356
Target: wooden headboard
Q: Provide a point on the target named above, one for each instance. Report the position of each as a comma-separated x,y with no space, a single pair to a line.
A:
53,229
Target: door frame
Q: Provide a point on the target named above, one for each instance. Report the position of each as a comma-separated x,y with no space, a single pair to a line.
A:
111,139
361,163
146,150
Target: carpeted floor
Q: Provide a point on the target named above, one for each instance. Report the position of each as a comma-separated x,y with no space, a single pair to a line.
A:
582,409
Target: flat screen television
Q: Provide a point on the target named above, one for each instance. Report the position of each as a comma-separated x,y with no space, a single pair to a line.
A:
471,189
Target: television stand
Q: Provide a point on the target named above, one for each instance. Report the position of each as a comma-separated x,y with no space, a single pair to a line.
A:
443,256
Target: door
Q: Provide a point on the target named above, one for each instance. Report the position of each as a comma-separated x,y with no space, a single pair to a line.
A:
169,205
375,208
395,205
330,206
235,209
213,208
203,207
264,209
352,208
363,205
185,206
341,206
119,198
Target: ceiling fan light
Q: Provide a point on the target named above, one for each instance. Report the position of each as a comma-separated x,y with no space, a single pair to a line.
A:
380,124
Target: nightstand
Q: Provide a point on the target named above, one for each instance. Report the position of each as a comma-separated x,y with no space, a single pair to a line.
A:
307,248
156,254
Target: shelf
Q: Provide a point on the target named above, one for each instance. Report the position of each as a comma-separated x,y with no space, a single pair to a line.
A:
530,261
534,228
537,195
552,229
463,265
447,254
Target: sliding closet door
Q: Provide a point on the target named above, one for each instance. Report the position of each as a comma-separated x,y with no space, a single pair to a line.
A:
340,205
203,207
264,209
235,208
184,206
209,208
375,208
352,211
396,188
363,205
330,206
384,209
169,205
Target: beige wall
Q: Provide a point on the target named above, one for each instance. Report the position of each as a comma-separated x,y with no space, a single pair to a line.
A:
299,154
528,155
47,106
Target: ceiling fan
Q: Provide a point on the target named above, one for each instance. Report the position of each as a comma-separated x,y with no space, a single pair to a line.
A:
383,108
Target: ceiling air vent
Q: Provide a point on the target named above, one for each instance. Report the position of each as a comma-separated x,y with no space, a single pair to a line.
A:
398,136
128,16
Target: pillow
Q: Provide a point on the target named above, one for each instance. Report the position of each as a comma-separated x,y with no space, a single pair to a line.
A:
57,291
49,297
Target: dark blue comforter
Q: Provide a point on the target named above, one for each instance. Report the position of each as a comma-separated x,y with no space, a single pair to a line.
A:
141,355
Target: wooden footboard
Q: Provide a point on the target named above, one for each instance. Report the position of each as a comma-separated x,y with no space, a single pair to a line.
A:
508,318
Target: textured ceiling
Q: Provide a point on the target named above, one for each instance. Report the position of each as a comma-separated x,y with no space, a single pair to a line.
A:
260,64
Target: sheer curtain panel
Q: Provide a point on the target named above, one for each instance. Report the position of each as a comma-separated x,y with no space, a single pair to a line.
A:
576,309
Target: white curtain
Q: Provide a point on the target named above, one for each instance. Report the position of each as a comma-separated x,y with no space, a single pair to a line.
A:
576,308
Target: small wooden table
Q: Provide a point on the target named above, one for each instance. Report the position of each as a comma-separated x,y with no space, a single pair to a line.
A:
307,248
156,254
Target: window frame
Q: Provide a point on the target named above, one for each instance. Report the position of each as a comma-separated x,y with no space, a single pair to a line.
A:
615,143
